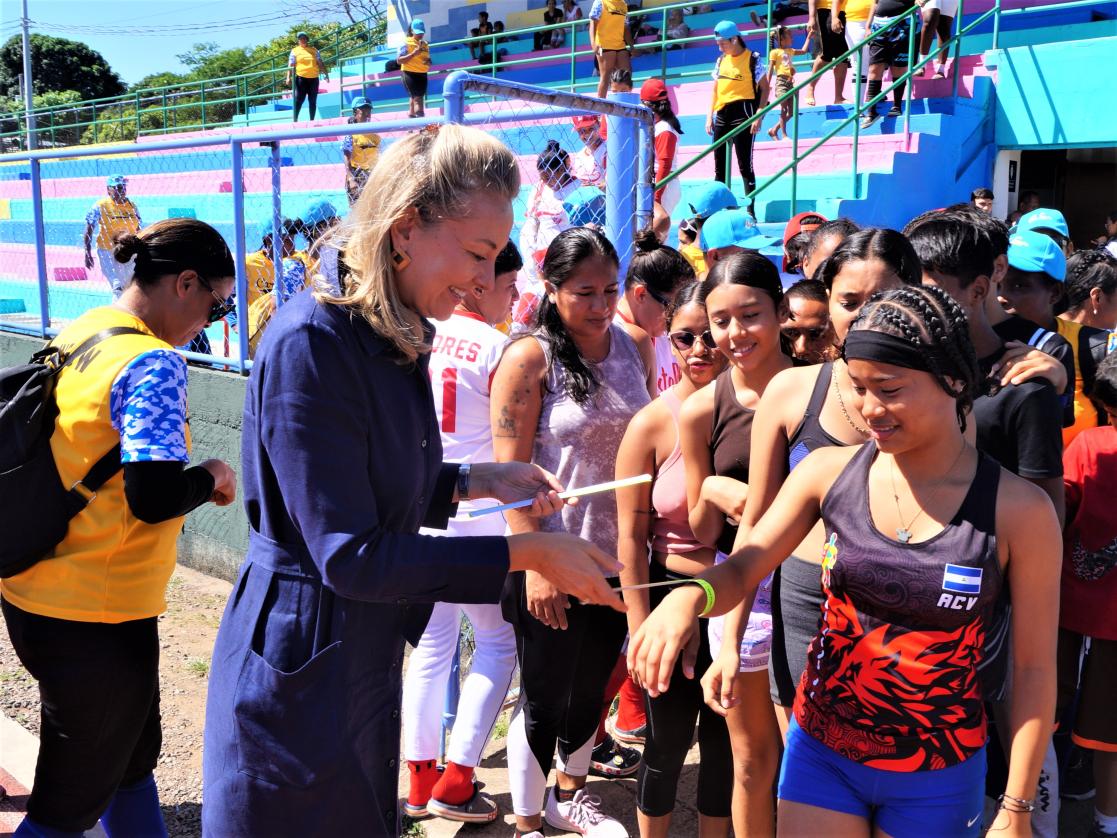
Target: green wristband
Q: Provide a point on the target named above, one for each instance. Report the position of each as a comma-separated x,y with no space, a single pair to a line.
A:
709,589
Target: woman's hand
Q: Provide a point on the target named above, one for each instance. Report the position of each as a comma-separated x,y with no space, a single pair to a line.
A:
513,481
558,565
710,125
1011,825
670,630
835,24
1021,363
719,684
224,481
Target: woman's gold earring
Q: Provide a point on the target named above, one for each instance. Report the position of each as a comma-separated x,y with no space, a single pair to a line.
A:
401,260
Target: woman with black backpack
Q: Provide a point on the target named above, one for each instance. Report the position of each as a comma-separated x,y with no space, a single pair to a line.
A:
83,620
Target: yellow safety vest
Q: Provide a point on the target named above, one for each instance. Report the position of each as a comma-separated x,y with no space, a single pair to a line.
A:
111,567
366,150
115,218
1085,414
610,27
734,79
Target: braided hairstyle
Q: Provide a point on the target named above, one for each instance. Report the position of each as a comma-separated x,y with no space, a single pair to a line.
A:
930,319
567,250
1087,270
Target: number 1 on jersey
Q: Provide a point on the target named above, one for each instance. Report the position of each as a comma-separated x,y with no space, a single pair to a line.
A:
449,399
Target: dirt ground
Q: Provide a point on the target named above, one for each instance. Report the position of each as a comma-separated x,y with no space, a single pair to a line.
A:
187,632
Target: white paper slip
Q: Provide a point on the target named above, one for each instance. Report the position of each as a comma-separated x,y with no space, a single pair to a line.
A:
573,493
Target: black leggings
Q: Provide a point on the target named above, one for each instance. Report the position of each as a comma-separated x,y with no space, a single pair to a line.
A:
563,674
99,729
725,120
306,90
671,720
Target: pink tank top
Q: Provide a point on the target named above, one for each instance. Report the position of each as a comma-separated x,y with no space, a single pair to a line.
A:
671,525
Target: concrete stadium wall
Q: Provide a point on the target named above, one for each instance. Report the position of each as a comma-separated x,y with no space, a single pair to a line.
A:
214,539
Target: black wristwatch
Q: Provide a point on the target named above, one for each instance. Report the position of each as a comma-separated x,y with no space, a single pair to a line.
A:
463,481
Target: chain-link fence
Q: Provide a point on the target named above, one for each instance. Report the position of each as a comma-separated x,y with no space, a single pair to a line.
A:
272,194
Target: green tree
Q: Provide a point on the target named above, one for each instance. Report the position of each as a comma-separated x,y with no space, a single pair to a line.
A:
52,129
58,64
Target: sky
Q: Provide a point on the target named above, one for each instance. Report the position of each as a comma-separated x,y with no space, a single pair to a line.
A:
229,23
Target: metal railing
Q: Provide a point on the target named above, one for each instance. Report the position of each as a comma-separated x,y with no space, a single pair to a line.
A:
725,143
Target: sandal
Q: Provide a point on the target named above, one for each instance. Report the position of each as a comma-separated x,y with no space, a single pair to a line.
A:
477,809
774,132
810,100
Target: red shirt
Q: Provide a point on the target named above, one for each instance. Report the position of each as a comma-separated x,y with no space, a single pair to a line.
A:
1089,585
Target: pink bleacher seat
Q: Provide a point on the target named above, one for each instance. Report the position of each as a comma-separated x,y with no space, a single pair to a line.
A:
225,186
70,274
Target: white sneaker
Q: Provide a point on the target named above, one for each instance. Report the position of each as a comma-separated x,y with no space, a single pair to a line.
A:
582,815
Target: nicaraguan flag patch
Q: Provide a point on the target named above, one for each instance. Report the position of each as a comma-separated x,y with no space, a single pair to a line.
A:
961,580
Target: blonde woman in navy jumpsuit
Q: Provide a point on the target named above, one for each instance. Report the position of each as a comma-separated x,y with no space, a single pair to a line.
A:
341,466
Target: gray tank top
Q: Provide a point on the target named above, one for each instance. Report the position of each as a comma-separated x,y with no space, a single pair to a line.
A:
578,443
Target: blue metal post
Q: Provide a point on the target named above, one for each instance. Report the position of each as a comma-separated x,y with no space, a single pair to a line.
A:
239,252
645,167
453,96
620,180
40,246
453,694
276,222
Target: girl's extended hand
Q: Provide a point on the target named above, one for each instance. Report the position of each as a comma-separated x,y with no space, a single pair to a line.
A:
513,481
670,631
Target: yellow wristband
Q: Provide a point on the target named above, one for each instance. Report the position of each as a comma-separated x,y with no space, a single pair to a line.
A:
709,589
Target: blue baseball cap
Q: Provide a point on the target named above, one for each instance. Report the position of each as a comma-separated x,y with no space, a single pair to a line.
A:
361,102
585,205
318,212
1032,251
709,197
732,227
725,30
302,35
116,180
1043,219
418,26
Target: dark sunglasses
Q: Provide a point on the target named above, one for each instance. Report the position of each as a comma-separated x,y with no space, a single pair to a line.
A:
221,308
816,333
685,340
659,298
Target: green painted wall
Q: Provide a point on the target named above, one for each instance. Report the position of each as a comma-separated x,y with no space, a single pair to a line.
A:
214,539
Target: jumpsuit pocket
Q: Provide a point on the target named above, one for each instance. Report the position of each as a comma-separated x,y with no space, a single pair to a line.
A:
288,723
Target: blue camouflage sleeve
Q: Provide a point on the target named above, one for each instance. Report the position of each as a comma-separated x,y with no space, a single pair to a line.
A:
148,408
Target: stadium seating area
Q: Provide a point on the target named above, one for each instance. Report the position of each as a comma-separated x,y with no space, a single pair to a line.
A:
948,152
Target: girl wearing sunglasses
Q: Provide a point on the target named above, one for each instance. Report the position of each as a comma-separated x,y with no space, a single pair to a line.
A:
742,294
654,519
655,275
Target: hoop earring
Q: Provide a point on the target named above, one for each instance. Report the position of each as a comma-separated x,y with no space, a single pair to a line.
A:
401,260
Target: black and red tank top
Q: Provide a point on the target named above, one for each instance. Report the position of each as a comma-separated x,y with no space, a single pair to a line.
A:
892,677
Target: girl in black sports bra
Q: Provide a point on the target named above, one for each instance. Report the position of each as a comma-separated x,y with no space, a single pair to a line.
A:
922,533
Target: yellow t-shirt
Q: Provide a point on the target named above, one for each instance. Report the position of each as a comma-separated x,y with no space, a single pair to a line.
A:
610,26
1085,414
857,10
781,60
305,62
365,151
733,75
112,218
421,61
111,567
693,254
260,275
822,4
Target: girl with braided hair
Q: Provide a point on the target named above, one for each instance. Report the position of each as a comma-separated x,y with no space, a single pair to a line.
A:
923,531
1091,289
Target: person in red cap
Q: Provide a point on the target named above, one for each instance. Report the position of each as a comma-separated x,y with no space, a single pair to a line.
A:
653,94
589,163
803,223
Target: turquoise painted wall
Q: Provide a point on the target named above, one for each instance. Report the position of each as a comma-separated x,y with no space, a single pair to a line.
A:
1057,95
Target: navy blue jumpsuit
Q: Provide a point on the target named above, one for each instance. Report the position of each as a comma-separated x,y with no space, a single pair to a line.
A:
341,465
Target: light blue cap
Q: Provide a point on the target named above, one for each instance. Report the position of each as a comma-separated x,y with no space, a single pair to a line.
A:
732,227
707,198
1043,219
418,26
318,212
585,205
725,30
361,102
116,180
1032,251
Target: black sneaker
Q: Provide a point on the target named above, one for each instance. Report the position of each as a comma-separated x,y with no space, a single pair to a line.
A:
868,119
611,760
894,111
1077,782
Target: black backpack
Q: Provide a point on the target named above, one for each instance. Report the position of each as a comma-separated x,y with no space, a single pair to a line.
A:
35,508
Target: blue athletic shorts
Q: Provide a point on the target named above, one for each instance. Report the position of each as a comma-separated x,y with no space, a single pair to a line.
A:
918,804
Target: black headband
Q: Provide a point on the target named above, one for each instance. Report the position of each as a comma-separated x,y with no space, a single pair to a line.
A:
867,345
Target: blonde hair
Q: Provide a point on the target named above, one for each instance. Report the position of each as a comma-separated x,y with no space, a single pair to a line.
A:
434,171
